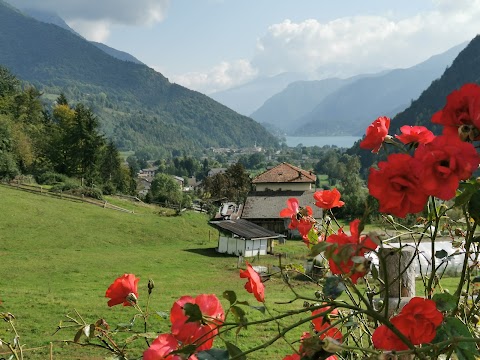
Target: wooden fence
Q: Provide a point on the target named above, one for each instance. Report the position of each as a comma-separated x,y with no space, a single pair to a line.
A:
38,189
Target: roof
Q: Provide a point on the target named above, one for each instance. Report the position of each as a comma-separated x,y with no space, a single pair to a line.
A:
245,229
285,173
268,204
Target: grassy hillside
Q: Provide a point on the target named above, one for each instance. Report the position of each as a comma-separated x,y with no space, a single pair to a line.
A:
57,256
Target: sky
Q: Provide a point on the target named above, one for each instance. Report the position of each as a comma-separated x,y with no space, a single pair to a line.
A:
213,45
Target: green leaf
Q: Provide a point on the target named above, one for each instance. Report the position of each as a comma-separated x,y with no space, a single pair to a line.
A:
374,271
162,314
451,328
474,206
193,312
333,287
234,351
149,335
230,296
239,314
213,354
124,326
476,279
319,248
468,189
187,350
259,308
78,335
445,301
440,254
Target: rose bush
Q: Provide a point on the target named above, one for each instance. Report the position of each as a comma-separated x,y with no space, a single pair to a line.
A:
349,311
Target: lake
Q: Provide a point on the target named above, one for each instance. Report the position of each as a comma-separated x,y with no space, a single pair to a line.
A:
340,141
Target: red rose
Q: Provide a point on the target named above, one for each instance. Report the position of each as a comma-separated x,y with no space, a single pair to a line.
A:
442,163
123,290
200,333
328,199
348,247
415,134
462,108
322,323
254,284
300,218
396,186
426,318
375,134
161,347
384,338
418,321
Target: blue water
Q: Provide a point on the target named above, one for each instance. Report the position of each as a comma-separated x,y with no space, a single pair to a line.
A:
340,141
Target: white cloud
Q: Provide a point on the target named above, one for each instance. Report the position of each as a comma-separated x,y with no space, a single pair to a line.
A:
91,30
93,18
355,44
221,77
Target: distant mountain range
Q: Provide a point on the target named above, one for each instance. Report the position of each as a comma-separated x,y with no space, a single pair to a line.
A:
464,69
137,106
347,106
248,97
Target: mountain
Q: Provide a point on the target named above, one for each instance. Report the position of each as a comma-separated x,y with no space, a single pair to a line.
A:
121,55
247,98
137,106
350,109
464,69
52,18
297,100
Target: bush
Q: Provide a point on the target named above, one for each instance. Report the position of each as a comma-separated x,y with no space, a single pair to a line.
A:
67,185
51,178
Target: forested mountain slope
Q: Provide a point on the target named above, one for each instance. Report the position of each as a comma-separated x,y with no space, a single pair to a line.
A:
137,106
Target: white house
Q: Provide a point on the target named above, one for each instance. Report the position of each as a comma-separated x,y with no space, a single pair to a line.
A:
242,238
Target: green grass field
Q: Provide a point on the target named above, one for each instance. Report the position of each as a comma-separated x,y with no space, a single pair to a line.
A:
58,255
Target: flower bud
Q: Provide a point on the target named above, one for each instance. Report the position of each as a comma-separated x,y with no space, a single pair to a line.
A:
150,286
131,298
331,345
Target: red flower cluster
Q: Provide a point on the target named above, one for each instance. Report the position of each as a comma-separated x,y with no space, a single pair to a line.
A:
123,290
403,183
442,163
328,199
462,109
376,133
418,321
301,218
340,260
183,332
254,284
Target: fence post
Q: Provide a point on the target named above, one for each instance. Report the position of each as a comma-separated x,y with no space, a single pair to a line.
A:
397,270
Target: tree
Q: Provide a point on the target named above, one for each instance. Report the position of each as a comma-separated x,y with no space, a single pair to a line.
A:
9,84
85,143
165,189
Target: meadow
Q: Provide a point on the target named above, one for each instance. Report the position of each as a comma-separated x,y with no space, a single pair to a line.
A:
58,256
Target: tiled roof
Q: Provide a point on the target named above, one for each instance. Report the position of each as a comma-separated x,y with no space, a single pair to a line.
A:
245,229
285,173
268,204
